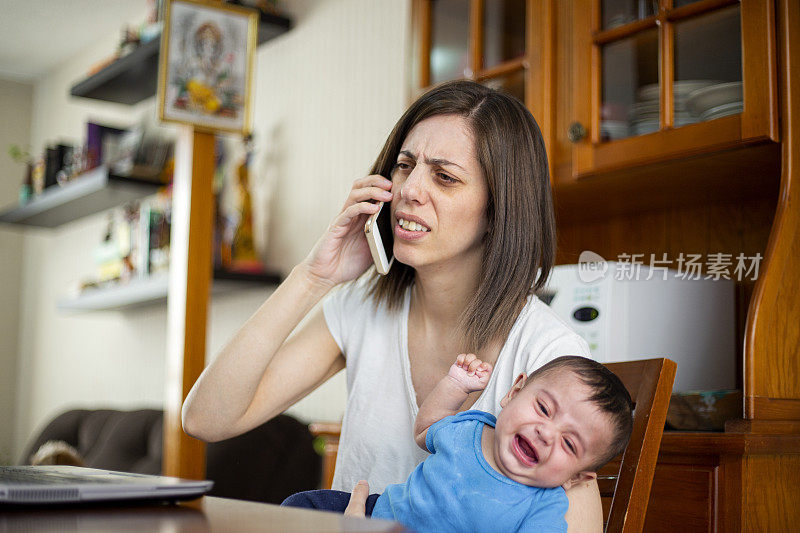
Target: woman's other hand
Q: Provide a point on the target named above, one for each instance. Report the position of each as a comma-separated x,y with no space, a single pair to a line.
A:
342,253
358,500
470,373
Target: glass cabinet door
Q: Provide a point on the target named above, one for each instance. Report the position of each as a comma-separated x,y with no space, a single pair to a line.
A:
630,89
503,31
449,54
482,40
661,78
708,67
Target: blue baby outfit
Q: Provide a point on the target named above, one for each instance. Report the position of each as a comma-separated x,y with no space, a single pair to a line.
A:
455,489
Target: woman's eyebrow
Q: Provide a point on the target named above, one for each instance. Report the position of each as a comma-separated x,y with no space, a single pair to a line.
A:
433,161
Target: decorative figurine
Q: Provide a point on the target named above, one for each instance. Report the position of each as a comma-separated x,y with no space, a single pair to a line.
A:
243,257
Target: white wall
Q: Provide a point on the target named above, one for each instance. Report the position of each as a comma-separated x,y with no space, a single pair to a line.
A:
327,94
15,110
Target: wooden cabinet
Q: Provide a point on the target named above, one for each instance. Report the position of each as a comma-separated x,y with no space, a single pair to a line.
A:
663,169
696,506
725,482
664,108
635,99
696,484
665,82
722,185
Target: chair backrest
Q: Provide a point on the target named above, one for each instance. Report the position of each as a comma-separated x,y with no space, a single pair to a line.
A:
627,482
266,464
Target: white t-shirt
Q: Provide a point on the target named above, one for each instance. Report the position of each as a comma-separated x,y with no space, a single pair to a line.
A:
377,441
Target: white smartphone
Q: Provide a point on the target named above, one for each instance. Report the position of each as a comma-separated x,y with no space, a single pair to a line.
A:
380,237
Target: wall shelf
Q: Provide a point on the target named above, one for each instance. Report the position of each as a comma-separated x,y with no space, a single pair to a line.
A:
153,290
133,78
89,193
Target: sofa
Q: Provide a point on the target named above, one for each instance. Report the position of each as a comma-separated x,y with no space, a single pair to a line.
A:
266,464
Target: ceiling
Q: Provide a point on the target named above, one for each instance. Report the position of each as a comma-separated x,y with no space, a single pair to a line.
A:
36,35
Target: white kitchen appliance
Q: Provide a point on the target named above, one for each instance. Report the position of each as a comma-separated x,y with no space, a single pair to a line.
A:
691,321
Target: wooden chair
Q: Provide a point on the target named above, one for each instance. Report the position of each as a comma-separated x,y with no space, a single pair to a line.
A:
625,483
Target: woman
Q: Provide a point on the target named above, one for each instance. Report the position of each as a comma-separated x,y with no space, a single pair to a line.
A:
473,236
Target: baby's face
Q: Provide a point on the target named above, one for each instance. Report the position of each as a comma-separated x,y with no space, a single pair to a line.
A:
548,432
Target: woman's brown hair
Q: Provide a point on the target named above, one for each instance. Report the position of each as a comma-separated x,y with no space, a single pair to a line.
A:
520,243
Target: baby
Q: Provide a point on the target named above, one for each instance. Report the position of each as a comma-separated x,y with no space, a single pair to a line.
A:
555,429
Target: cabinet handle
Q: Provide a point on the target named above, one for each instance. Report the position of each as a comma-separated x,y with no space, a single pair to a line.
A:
576,132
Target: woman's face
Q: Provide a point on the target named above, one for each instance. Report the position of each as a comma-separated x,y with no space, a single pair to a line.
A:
440,196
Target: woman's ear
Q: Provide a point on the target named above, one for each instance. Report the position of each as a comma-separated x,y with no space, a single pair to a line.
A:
578,478
515,388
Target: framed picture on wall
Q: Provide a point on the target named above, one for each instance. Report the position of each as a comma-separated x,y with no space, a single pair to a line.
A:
206,65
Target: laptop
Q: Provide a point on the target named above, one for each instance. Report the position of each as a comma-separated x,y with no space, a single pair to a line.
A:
68,484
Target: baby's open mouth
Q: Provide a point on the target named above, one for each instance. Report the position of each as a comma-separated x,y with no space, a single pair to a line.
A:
527,450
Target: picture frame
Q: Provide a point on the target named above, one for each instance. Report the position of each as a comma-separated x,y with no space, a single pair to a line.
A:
205,75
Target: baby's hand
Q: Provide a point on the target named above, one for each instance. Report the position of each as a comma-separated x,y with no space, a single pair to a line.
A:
470,373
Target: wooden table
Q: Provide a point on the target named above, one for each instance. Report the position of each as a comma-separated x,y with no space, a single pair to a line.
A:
207,514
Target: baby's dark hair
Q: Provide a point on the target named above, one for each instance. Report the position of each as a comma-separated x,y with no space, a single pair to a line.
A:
607,392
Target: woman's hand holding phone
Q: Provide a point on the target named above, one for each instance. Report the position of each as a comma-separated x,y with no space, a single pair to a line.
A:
342,253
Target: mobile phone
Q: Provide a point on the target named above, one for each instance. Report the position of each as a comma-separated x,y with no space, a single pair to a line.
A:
380,237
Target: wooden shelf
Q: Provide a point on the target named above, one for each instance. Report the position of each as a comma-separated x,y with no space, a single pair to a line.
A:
133,78
127,80
123,296
153,290
246,277
89,193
